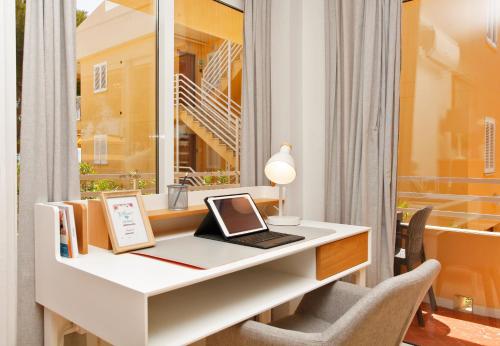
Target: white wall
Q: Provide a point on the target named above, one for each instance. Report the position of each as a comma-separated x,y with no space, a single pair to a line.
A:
298,98
8,195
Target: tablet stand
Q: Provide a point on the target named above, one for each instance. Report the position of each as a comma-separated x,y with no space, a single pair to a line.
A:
210,228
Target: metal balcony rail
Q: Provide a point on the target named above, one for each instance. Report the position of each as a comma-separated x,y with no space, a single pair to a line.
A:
434,190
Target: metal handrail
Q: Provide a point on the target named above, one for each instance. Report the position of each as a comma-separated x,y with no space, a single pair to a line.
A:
204,108
205,85
187,94
218,64
216,60
203,93
209,69
451,179
197,180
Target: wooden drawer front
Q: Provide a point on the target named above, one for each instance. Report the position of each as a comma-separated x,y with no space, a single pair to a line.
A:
340,255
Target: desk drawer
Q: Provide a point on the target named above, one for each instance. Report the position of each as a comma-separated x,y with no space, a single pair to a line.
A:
340,255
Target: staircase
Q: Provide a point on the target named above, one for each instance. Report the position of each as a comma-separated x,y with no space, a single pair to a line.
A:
207,136
224,64
211,115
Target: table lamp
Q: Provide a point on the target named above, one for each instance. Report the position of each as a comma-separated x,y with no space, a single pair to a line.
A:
280,169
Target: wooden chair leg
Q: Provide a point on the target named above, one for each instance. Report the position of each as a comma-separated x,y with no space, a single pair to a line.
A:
397,268
432,299
420,317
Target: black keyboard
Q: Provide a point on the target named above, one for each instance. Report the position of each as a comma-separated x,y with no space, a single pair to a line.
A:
261,240
265,240
258,237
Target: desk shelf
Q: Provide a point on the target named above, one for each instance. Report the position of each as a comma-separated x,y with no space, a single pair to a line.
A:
166,214
194,312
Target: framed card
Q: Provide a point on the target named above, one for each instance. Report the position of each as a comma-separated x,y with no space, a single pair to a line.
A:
127,221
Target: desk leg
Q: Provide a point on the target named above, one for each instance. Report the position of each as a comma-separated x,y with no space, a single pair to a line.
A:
264,317
360,277
54,327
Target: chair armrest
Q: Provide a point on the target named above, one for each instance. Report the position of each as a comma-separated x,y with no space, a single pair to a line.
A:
332,301
252,333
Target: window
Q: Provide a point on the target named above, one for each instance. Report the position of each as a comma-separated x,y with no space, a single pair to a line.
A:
208,63
489,145
116,73
118,120
100,149
100,77
450,78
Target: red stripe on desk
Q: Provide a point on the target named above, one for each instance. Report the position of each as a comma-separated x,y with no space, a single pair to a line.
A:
169,261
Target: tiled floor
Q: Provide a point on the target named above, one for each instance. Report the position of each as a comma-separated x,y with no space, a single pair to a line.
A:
449,327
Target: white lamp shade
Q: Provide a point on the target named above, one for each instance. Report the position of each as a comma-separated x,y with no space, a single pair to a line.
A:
280,168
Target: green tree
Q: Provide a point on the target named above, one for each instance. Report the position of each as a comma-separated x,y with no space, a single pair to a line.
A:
20,14
81,15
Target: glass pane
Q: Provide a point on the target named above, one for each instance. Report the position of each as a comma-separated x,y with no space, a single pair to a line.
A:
208,70
116,63
450,84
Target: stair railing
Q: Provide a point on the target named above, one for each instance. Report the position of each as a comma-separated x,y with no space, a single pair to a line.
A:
208,107
195,180
220,63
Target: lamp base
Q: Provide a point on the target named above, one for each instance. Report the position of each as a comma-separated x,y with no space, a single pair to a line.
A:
283,220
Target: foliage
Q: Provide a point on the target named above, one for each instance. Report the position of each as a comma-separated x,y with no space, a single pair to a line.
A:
403,205
218,178
207,179
86,168
222,179
105,185
20,16
143,184
81,15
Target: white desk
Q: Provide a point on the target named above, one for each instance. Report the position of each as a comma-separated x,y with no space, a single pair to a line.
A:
131,300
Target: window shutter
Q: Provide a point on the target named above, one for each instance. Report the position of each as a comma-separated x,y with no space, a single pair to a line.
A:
100,149
489,145
97,78
104,76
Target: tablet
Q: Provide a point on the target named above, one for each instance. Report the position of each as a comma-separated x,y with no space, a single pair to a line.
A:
236,214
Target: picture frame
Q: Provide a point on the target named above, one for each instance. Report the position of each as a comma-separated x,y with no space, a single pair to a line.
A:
128,223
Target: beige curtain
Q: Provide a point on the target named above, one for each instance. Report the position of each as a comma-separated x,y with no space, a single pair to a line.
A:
362,111
49,164
256,100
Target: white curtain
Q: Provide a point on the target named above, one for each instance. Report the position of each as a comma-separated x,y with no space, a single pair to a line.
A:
8,174
362,111
49,164
256,85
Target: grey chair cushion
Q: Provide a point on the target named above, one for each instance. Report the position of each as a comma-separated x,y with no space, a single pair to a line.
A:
302,323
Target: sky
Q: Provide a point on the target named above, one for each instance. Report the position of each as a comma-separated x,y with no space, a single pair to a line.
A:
88,5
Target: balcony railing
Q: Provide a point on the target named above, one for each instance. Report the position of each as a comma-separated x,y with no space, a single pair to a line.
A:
459,203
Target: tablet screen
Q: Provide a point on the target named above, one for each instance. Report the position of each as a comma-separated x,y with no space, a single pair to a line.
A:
237,214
